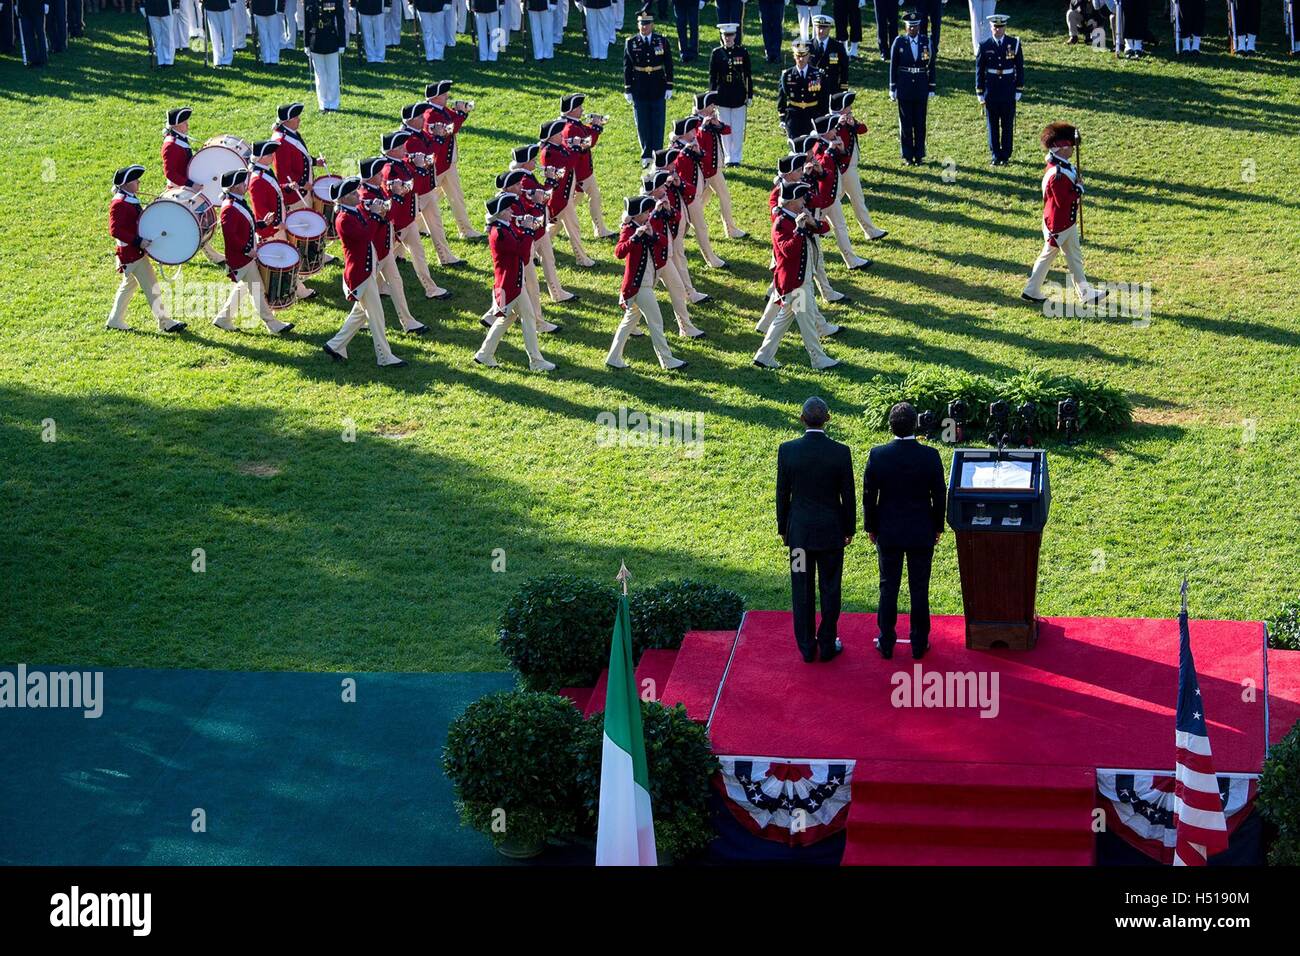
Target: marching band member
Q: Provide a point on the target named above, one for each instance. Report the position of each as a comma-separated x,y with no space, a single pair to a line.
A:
665,160
731,76
176,155
432,15
388,278
293,163
689,166
162,27
510,240
579,132
525,158
398,182
848,129
239,236
793,252
801,97
530,202
370,17
221,31
999,81
268,18
829,55
642,248
670,217
448,184
557,153
355,225
710,136
268,199
647,82
325,38
136,268
1062,194
911,84
828,150
426,204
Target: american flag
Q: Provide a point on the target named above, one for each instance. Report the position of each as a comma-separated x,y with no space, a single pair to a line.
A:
1198,808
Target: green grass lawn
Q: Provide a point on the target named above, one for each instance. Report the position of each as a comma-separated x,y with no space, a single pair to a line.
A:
378,554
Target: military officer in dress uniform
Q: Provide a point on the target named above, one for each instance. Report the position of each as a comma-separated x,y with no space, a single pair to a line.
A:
648,82
911,84
176,155
641,245
999,81
886,26
510,239
771,14
829,55
802,95
356,225
136,268
732,80
325,39
239,236
1062,195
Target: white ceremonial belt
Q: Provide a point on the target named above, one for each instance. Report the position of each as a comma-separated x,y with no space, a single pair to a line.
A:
993,72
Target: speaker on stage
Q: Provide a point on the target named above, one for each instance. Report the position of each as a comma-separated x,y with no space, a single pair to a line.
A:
997,506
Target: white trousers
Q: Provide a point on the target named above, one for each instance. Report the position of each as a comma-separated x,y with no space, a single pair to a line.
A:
591,190
433,31
409,238
240,23
797,307
851,187
980,11
292,14
460,9
546,252
642,305
163,31
679,294
393,24
389,280
568,219
1067,242
428,213
520,309
695,211
733,144
270,33
717,185
368,309
449,188
600,27
139,275
325,67
248,287
221,33
511,14
539,25
805,20
491,38
373,31
560,15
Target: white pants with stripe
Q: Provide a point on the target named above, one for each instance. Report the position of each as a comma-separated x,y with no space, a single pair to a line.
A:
163,30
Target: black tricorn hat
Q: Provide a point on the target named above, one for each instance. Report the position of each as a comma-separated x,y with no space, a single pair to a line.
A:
288,111
636,205
437,88
412,110
179,115
510,177
349,184
572,101
663,157
526,154
127,174
264,147
371,166
791,161
499,203
842,99
791,191
233,177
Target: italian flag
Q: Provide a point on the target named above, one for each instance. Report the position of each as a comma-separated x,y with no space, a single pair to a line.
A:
625,832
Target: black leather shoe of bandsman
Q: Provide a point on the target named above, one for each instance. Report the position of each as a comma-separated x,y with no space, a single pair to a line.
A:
332,354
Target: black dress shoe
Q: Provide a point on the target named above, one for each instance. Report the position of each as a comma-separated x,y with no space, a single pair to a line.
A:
834,652
485,323
178,327
573,298
1029,298
844,301
332,354
917,654
810,658
288,327
886,652
767,368
447,294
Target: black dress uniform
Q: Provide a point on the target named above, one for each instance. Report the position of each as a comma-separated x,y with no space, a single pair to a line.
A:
324,35
647,78
911,83
848,21
886,26
999,79
6,26
802,98
31,31
832,58
731,76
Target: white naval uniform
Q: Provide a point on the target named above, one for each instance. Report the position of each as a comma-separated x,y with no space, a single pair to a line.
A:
490,35
373,32
325,67
433,33
733,143
600,27
540,25
393,24
805,14
270,35
165,32
980,11
221,33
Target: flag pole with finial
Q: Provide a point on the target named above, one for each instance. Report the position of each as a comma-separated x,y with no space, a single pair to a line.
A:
623,576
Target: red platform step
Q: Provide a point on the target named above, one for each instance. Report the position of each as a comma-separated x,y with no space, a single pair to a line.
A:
698,671
651,676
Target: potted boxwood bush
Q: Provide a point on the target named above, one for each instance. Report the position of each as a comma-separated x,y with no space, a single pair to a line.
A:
555,631
1279,797
680,764
662,613
511,759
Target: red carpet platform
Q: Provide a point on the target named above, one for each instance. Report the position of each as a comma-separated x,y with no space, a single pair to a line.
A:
943,784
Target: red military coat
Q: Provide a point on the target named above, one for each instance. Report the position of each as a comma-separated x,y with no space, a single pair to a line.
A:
664,223
292,163
512,249
562,158
1062,193
421,142
267,199
381,228
583,167
238,233
848,134
403,212
827,189
447,148
792,250
687,165
124,226
637,252
356,229
710,140
176,156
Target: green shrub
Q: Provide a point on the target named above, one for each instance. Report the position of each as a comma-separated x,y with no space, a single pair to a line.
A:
1284,628
513,751
555,631
662,613
1102,408
1279,798
680,764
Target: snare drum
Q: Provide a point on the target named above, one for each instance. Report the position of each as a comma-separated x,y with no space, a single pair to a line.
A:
321,202
306,231
277,264
219,155
176,224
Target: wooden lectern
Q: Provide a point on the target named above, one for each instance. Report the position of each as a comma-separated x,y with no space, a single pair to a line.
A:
997,506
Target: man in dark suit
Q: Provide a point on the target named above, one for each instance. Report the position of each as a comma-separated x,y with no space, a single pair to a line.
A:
816,516
903,503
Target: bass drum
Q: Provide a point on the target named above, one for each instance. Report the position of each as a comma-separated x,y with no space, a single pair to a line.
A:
323,204
219,155
277,263
174,225
306,230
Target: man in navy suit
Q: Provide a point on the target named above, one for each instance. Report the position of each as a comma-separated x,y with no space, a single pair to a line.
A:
816,516
903,503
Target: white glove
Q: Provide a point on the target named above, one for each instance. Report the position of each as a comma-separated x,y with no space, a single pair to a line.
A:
931,95
894,97
668,95
628,97
1017,97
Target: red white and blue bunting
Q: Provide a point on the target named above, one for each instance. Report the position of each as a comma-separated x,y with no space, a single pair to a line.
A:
1140,807
795,802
